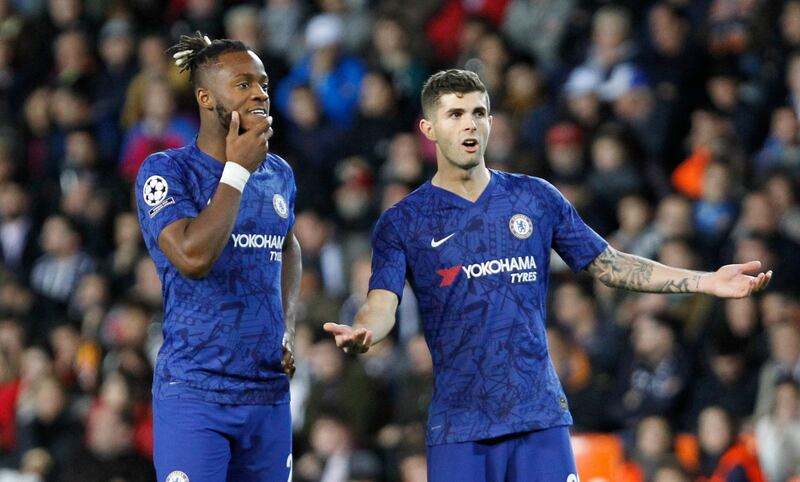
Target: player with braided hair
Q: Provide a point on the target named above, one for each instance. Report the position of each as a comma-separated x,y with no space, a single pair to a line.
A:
217,218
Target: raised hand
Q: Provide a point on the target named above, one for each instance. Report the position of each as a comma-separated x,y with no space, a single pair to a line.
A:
349,339
248,149
731,281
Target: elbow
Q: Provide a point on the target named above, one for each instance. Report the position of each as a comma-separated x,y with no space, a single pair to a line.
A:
195,268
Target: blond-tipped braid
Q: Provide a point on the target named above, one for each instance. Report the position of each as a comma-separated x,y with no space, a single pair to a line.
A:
193,51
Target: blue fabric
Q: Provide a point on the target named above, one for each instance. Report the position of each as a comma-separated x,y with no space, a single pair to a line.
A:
480,273
337,91
223,333
211,442
536,456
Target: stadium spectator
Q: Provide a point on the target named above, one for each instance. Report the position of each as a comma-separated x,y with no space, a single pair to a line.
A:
778,434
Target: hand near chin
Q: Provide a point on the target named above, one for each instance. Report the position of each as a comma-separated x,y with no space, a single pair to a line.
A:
250,148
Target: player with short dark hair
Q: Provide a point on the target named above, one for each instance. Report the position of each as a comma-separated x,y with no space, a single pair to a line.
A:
217,218
475,245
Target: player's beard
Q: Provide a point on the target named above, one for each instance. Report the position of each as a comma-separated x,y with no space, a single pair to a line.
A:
224,117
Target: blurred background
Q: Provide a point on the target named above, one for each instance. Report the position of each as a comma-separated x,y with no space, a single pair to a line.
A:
671,125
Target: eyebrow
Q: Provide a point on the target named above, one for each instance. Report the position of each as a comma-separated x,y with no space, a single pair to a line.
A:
248,76
459,110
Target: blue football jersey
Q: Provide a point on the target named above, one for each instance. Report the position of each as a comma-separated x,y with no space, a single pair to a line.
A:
222,333
480,271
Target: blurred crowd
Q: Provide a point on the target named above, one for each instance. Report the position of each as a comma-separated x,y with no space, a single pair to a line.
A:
671,125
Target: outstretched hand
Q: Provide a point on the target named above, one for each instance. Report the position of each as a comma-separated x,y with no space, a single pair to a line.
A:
349,339
732,280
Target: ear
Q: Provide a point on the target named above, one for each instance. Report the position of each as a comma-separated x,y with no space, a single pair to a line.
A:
426,127
205,99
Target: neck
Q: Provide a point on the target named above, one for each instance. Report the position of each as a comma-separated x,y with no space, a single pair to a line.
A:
467,183
211,140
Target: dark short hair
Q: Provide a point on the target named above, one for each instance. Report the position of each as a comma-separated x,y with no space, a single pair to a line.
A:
200,52
453,81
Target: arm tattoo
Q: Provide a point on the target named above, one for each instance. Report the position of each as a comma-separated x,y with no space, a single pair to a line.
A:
618,270
622,270
689,284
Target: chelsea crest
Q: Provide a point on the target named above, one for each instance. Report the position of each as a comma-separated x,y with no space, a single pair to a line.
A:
521,226
279,203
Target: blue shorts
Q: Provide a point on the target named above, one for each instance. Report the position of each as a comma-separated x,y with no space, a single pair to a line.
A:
538,456
202,441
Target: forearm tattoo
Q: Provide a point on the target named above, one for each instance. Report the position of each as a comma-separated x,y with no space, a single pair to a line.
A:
690,284
622,270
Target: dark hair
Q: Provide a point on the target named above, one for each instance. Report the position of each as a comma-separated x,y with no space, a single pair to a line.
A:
197,50
453,81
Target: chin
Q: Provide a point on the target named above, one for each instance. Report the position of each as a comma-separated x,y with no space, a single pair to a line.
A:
467,164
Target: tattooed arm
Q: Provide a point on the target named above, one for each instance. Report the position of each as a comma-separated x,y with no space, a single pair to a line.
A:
622,270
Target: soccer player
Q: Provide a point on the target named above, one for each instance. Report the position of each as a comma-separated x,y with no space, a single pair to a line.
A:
475,245
217,218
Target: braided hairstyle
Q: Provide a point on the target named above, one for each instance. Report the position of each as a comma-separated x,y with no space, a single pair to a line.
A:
194,51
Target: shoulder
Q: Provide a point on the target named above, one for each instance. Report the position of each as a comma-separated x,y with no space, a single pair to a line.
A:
278,163
168,162
513,181
413,203
277,166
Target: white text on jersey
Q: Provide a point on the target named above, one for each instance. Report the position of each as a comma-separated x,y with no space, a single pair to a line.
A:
263,241
505,265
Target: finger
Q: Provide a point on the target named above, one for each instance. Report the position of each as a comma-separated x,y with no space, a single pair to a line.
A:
233,128
750,266
361,335
764,281
259,128
344,341
269,131
756,282
336,328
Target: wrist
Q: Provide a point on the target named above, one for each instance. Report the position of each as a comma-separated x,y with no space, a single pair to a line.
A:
235,175
703,283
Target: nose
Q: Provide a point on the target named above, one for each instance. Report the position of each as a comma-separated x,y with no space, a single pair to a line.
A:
471,124
260,92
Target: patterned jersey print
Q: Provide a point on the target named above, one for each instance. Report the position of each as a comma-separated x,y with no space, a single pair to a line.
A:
222,333
480,273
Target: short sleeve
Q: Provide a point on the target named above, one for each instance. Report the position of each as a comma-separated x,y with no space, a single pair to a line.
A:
291,187
388,257
162,195
573,240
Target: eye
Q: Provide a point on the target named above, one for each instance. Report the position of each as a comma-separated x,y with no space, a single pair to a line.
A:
455,115
244,85
265,86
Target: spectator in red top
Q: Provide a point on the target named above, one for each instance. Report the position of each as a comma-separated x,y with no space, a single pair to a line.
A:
723,457
160,128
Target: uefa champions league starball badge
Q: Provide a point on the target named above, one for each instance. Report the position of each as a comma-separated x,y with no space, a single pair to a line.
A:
521,226
155,190
279,203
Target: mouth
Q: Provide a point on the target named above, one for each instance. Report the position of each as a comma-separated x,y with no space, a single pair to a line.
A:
471,145
258,112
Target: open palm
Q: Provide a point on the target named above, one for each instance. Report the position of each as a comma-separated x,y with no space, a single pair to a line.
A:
732,280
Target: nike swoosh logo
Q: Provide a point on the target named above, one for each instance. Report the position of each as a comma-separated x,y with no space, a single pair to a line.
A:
436,244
